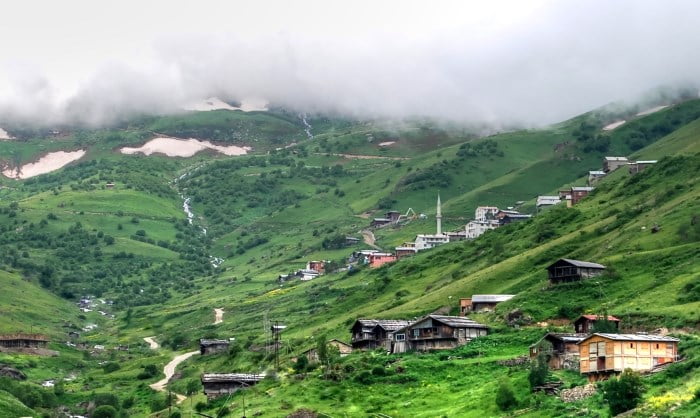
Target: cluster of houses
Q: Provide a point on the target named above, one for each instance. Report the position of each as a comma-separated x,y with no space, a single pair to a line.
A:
313,270
574,194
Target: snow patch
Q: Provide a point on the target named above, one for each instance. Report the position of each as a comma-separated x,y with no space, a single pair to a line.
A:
176,147
4,134
46,164
652,110
614,125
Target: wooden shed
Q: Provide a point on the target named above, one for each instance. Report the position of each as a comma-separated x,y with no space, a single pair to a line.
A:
217,384
488,302
586,323
22,340
603,355
568,270
207,346
561,349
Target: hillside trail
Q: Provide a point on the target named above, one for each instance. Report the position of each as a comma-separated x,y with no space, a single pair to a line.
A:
363,157
152,343
369,239
218,316
169,371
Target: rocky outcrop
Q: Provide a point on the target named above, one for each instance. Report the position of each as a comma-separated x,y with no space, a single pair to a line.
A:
577,393
11,372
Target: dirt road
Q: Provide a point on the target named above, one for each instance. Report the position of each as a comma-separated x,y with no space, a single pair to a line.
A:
169,371
152,343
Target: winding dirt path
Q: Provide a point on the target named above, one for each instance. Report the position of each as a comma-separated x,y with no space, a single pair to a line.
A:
169,371
152,343
218,316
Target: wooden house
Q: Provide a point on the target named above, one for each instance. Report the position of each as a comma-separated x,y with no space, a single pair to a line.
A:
404,251
578,193
586,323
368,334
393,216
207,346
603,355
567,270
561,349
218,384
343,348
488,302
437,332
595,176
22,340
465,306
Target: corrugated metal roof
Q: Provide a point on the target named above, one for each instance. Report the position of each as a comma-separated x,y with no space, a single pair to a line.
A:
634,337
579,263
231,377
392,324
212,342
582,189
456,321
616,158
491,298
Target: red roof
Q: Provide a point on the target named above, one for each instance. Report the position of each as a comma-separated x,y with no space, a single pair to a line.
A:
596,317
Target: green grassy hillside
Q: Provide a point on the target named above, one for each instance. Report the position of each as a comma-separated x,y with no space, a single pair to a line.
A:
65,235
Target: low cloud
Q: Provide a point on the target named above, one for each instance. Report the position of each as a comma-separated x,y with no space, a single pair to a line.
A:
529,66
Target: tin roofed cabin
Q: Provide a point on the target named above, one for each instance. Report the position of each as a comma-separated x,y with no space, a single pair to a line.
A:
219,384
22,340
567,270
211,346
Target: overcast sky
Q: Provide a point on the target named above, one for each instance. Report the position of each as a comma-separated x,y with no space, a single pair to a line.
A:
494,61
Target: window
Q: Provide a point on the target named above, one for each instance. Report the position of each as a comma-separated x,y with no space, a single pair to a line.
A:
657,346
416,333
593,348
631,345
400,337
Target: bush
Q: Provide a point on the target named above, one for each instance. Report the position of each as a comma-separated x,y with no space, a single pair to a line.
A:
111,367
505,397
623,393
104,411
200,406
106,399
539,370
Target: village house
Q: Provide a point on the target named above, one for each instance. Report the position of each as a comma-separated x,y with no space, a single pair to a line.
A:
578,193
343,348
613,163
485,213
456,236
603,355
475,229
513,217
207,346
595,176
437,332
352,241
639,166
561,349
361,257
319,266
546,201
379,259
478,303
368,334
307,274
407,249
109,185
566,270
218,384
586,323
22,340
390,217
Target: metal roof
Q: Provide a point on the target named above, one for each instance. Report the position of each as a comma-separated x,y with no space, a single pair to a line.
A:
597,172
491,298
231,377
582,189
616,158
565,337
392,324
456,321
634,337
212,342
579,263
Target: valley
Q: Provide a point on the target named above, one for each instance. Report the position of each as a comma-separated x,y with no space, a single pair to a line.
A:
186,239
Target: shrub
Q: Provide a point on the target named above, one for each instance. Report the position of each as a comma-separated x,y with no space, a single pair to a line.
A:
106,399
104,411
505,397
539,369
111,367
623,393
200,406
